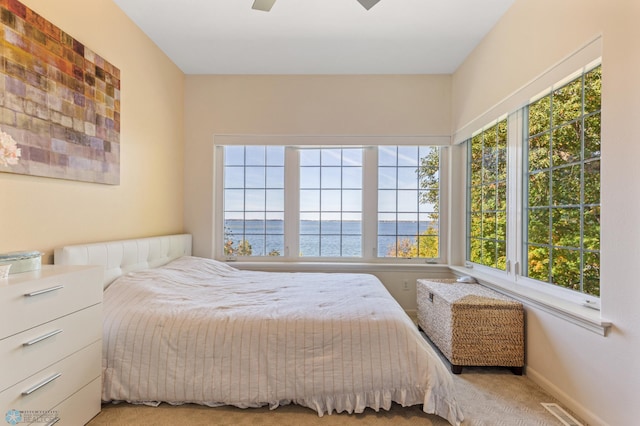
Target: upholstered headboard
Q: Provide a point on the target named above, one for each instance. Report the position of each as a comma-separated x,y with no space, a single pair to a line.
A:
121,257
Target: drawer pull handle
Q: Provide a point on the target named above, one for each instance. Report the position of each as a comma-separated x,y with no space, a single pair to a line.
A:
43,337
45,382
46,290
53,422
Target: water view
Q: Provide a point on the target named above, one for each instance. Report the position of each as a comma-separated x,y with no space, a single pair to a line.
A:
318,238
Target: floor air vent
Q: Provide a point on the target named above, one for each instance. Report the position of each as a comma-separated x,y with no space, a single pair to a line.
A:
560,414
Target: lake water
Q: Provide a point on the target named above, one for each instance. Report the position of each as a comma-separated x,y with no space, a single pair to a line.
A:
337,239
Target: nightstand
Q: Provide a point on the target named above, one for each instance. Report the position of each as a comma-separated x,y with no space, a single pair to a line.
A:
51,344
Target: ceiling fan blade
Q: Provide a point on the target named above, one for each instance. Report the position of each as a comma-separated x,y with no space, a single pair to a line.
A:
368,4
264,5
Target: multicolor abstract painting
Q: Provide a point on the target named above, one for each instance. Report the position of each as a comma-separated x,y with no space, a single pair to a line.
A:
59,100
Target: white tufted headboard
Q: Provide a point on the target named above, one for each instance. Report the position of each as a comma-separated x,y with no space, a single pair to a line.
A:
121,257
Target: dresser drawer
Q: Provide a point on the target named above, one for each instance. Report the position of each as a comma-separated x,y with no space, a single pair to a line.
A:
75,371
32,298
39,347
76,410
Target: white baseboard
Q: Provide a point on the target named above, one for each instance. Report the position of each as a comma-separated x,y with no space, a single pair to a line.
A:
584,413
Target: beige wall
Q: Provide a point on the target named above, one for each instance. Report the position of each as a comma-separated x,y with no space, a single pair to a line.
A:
298,105
41,214
597,376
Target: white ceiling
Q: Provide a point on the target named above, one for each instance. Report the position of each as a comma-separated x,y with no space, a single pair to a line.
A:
316,36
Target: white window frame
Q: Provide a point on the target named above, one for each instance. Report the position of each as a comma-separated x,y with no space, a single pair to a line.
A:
292,190
579,308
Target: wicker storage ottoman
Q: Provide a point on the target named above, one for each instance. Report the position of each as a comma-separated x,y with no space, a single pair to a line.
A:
471,324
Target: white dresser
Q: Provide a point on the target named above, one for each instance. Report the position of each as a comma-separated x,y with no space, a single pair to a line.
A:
50,345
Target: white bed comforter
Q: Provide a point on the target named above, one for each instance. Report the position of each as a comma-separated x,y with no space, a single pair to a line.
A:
200,331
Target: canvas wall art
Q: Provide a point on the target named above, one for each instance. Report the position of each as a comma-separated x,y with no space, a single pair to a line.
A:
59,102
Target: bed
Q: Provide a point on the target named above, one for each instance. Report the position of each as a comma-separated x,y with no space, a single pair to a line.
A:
182,329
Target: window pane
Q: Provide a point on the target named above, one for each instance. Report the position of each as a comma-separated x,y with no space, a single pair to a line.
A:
309,245
567,103
591,273
407,156
487,194
275,177
352,245
408,200
309,177
275,156
331,177
234,200
539,152
566,268
255,155
331,157
592,136
539,189
489,226
234,156
592,228
387,178
388,156
539,118
566,185
538,267
566,144
309,200
570,257
566,227
387,200
309,157
351,200
253,201
336,201
330,200
255,177
309,223
592,182
234,177
488,197
407,178
352,157
352,177
592,86
539,226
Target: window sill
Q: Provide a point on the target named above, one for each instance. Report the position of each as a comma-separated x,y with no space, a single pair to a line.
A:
576,314
355,267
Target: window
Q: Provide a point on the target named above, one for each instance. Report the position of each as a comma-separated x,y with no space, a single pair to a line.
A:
331,202
408,201
253,201
306,202
487,215
555,237
562,183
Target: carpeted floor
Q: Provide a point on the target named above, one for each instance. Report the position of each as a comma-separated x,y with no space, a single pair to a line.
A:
488,396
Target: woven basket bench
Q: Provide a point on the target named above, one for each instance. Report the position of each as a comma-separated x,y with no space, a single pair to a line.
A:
471,324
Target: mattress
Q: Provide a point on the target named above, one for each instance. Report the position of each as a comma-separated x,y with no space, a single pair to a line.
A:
199,331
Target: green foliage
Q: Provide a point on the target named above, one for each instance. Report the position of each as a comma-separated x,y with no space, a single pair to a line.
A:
488,197
563,186
242,249
426,244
